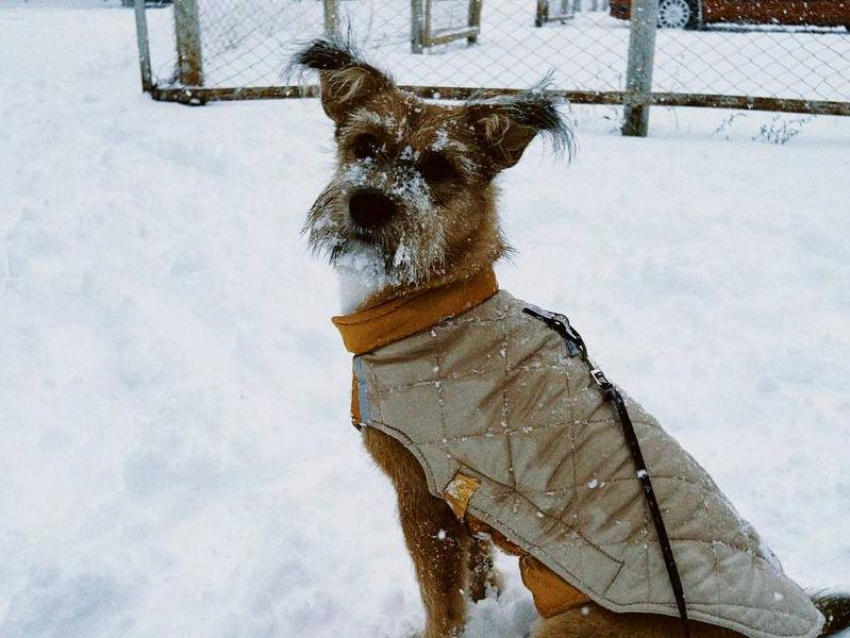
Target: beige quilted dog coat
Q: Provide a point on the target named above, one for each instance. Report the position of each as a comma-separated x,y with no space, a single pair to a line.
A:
511,429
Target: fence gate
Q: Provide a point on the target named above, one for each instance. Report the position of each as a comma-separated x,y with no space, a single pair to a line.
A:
423,35
709,53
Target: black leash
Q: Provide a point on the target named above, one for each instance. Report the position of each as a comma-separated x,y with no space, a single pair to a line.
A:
576,346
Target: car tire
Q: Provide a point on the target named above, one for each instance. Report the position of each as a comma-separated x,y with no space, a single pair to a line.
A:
679,14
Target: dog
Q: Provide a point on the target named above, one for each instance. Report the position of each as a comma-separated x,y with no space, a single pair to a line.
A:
409,221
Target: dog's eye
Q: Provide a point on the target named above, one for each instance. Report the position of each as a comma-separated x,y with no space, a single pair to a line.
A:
437,169
366,146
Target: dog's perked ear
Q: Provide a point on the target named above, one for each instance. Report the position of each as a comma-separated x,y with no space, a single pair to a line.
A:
347,80
506,125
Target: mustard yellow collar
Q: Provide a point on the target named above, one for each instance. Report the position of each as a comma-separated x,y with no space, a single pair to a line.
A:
396,319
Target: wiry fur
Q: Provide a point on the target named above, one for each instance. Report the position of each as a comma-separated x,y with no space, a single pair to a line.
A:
536,109
327,54
835,607
444,229
345,78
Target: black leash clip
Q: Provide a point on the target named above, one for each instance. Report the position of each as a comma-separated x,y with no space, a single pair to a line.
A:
601,380
609,392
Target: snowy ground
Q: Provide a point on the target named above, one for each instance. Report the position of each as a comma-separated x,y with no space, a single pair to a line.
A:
176,459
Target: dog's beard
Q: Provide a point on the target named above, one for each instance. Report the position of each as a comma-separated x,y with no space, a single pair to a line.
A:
408,250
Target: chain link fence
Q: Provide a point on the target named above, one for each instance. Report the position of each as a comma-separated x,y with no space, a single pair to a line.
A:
772,60
736,53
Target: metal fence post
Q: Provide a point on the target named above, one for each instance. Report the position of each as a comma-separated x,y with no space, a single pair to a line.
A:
474,20
144,49
416,31
639,73
187,26
331,18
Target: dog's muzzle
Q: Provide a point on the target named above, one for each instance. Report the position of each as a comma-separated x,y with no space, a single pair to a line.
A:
370,208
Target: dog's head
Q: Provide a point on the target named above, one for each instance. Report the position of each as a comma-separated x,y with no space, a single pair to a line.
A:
413,200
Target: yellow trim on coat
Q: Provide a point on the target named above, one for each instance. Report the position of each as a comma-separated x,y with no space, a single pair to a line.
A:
396,319
552,594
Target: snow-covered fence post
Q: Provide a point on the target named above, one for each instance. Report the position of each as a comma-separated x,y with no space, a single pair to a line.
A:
144,49
331,17
187,27
639,73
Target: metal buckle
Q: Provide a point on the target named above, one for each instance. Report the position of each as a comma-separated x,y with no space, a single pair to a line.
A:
600,379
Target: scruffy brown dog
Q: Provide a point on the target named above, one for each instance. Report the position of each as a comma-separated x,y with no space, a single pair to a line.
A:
411,209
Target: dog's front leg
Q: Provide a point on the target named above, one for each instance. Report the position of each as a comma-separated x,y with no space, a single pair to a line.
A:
437,543
436,540
483,575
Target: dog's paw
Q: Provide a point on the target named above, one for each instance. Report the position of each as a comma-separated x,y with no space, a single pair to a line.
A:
455,631
485,584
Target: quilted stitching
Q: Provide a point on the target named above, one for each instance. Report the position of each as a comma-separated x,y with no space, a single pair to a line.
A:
478,401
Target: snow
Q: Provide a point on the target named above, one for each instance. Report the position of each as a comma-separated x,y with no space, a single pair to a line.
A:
176,455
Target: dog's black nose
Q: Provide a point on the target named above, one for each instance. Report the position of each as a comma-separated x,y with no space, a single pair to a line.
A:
370,208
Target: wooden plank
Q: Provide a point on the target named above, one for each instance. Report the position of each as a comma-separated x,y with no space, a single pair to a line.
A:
187,27
201,95
446,36
542,14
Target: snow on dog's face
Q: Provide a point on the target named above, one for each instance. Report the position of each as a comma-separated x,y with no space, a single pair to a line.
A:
413,201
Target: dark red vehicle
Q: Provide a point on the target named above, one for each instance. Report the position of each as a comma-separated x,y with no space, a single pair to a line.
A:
692,14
